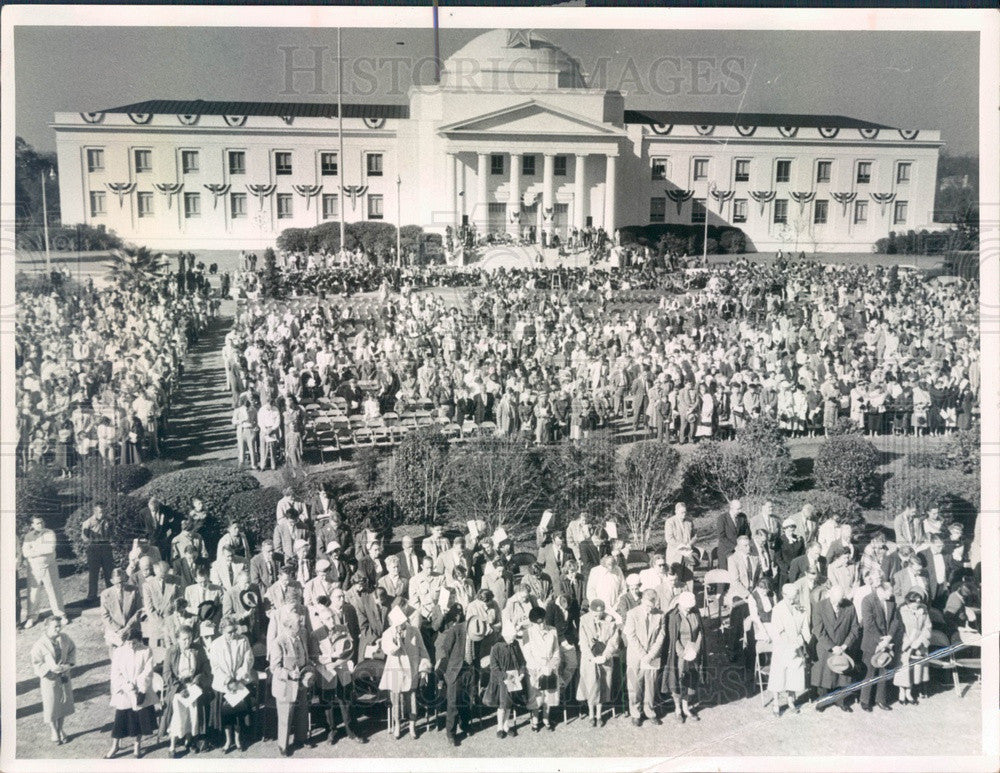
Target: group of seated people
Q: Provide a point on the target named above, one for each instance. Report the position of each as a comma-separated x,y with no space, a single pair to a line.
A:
96,369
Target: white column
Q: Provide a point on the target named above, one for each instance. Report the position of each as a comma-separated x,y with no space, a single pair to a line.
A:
482,217
548,203
514,199
610,173
452,217
580,192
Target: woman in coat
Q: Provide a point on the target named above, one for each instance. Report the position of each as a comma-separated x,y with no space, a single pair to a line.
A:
52,659
686,656
290,680
506,681
234,682
837,631
916,639
406,661
542,657
599,641
187,677
132,694
790,631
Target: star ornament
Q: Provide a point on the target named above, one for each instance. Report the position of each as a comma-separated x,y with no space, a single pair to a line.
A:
518,38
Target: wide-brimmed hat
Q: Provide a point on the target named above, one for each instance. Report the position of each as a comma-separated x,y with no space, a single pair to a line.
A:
208,609
479,629
840,663
342,646
249,598
882,659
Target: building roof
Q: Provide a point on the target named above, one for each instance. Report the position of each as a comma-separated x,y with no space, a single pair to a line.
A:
278,109
694,118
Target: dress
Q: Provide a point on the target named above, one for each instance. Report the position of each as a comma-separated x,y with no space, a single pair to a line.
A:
56,689
706,416
597,637
790,629
406,658
505,659
542,657
916,639
132,693
683,631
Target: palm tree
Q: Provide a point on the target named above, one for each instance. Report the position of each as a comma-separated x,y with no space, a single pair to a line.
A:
135,268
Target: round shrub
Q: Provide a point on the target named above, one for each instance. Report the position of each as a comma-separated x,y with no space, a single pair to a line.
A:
100,481
827,503
934,460
254,511
963,451
913,488
847,465
374,508
125,515
35,494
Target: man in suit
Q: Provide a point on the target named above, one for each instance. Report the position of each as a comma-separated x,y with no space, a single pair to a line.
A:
553,557
835,628
96,534
409,559
335,661
790,548
183,568
237,541
744,573
763,547
158,526
909,528
577,531
285,534
158,593
187,536
373,617
678,534
456,555
38,550
881,626
941,568
730,526
372,566
591,550
435,544
812,561
453,659
120,605
225,569
264,567
643,632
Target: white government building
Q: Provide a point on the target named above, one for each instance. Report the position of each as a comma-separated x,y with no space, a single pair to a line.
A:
511,138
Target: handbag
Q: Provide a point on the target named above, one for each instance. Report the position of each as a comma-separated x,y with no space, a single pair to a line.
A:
547,682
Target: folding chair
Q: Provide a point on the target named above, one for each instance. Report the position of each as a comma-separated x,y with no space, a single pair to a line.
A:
468,428
488,428
345,439
762,664
363,436
382,436
390,418
714,577
451,431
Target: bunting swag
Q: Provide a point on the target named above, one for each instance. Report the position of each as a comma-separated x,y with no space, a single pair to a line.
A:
829,132
908,134
868,134
92,117
217,189
189,119
882,199
762,198
308,191
260,192
288,119
140,118
679,197
121,190
844,199
547,213
661,128
802,198
352,192
170,189
788,131
704,130
746,131
234,120
722,197
374,123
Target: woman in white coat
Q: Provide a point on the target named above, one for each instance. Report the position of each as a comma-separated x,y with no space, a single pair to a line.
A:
52,659
132,694
406,660
790,632
540,648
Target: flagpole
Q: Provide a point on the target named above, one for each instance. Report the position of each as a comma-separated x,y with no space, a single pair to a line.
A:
340,137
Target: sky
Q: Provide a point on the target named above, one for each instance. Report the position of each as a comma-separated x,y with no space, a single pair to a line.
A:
923,80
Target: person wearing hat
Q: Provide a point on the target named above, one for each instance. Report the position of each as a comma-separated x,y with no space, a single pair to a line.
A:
599,637
644,632
791,636
331,651
836,630
916,639
132,694
186,679
290,679
406,663
507,669
686,656
120,608
790,547
456,667
542,657
205,599
881,637
53,656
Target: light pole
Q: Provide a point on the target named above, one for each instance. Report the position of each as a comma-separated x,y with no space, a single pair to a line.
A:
399,225
704,250
45,215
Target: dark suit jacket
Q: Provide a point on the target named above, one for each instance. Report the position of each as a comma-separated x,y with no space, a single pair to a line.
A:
551,567
373,620
263,572
727,532
404,570
183,574
800,564
449,651
590,556
875,624
937,590
787,552
372,574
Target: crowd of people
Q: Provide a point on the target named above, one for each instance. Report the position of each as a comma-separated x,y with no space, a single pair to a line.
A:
806,344
207,641
96,369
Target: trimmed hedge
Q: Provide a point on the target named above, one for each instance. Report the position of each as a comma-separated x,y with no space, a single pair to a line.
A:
847,465
35,494
254,511
125,514
100,481
827,503
913,488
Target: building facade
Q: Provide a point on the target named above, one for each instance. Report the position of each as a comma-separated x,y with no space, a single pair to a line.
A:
512,139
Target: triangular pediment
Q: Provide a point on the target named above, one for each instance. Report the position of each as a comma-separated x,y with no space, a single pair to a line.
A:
531,118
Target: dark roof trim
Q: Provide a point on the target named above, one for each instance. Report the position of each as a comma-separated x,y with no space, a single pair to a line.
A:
276,109
692,118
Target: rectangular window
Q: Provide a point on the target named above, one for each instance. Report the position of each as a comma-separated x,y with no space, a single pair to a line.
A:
496,163
95,160
903,172
192,205
143,161
781,210
864,171
284,205
559,166
528,165
739,210
742,170
698,211
237,162
701,169
283,163
331,206
820,210
374,164
657,209
144,203
238,205
860,211
823,171
328,164
659,166
899,213
189,161
783,171
96,203
374,206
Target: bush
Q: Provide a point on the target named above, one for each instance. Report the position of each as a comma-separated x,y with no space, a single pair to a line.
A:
254,511
35,494
847,465
930,460
646,483
913,489
419,475
756,464
371,509
827,503
579,476
100,482
366,471
962,449
125,515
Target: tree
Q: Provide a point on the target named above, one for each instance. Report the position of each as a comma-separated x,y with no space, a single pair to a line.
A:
493,479
646,484
30,168
270,280
135,268
579,476
419,475
756,464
